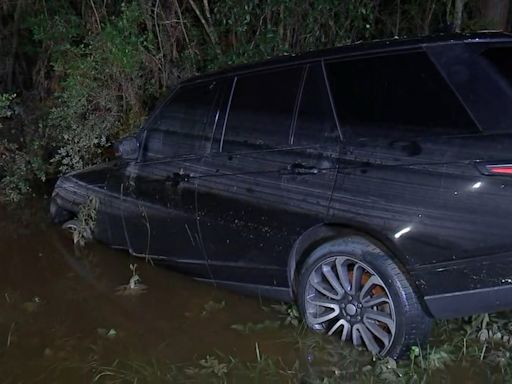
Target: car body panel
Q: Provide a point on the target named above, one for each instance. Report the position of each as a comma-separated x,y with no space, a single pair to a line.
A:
246,215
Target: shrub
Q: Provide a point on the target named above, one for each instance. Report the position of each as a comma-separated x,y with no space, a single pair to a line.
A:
103,87
98,65
18,164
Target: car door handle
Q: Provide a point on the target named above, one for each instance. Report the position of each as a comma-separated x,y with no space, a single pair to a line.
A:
408,147
302,169
177,178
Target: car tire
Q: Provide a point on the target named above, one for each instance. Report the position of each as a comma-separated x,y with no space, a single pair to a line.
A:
350,288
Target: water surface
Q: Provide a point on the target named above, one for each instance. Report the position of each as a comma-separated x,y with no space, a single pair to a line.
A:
61,320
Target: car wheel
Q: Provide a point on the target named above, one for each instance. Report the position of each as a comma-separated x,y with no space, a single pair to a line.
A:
71,225
354,290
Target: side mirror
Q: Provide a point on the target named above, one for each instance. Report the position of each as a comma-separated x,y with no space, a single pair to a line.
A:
127,148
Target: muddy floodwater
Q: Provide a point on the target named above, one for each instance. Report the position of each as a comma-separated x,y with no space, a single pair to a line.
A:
67,315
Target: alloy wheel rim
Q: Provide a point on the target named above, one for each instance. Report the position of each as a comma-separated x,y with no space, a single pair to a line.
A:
346,298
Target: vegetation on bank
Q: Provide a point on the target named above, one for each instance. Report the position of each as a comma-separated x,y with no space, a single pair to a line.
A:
76,75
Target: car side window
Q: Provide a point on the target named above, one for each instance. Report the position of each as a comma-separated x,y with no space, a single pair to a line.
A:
315,124
261,110
501,59
181,126
395,96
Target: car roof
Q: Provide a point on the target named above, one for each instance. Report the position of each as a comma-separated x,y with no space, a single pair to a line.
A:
377,46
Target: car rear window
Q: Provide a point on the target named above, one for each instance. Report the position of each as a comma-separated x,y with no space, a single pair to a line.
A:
396,95
180,127
261,110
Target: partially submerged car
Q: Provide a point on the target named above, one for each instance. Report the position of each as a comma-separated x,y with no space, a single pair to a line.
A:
370,183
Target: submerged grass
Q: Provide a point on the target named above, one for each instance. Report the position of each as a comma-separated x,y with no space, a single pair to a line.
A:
457,353
85,221
212,368
457,349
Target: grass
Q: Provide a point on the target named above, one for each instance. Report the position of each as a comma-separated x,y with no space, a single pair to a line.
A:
212,368
85,221
457,348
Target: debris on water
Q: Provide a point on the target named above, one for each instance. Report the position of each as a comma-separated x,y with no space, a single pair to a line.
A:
212,306
251,327
47,352
134,286
10,335
288,312
127,290
110,333
209,366
32,306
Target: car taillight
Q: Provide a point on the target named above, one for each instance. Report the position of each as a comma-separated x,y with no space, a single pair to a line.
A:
497,169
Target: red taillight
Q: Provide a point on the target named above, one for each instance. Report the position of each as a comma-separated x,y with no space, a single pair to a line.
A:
500,169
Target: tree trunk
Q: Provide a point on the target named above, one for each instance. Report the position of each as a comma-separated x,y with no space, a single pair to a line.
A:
495,14
14,47
457,17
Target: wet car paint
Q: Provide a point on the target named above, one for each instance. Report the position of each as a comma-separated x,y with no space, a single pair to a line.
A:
247,219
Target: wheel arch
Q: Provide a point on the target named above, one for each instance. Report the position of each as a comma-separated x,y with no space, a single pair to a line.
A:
326,232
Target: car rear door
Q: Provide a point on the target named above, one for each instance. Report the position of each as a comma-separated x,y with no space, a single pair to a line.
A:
271,176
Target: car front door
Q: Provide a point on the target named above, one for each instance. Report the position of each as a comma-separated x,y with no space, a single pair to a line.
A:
159,218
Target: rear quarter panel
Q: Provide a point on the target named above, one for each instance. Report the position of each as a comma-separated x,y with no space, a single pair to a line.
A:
449,224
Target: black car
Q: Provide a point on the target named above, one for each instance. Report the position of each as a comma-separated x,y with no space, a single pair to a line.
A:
371,183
